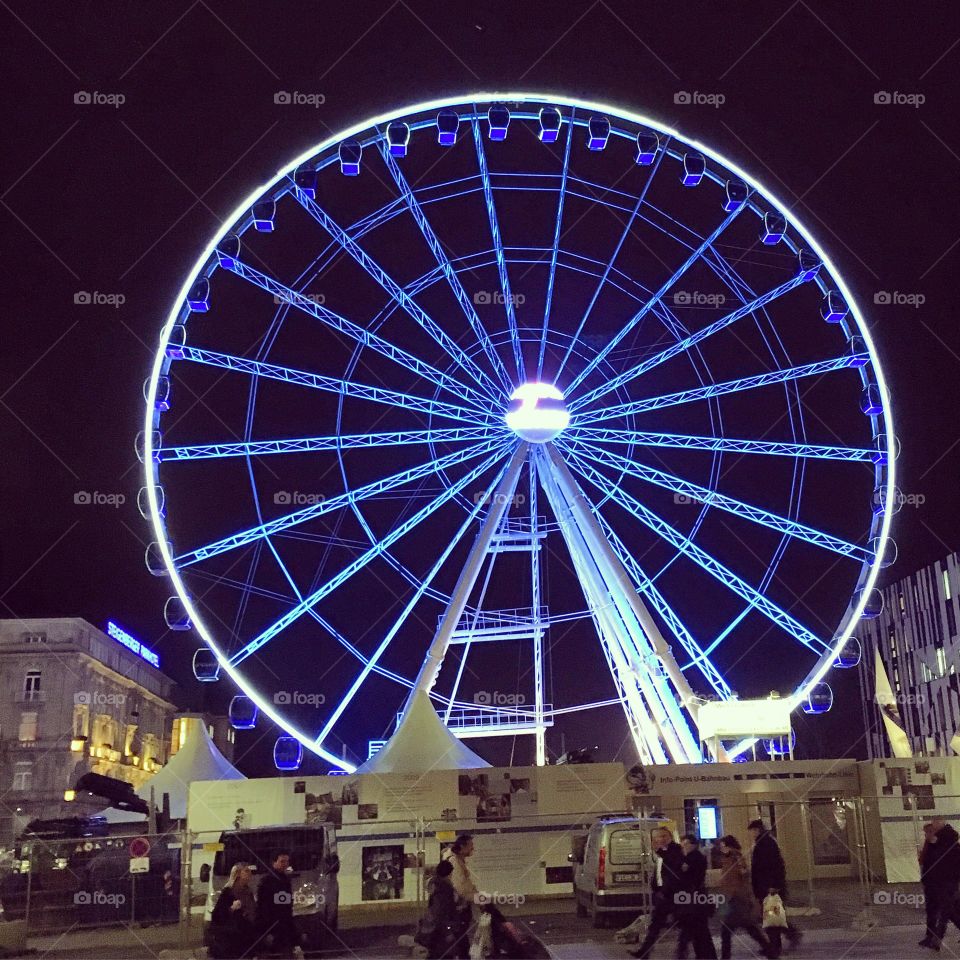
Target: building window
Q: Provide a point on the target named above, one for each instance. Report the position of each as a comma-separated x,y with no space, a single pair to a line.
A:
903,608
34,638
31,685
946,584
951,619
81,720
941,661
23,776
28,727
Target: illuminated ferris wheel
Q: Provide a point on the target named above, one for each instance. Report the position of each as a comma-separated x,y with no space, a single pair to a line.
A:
488,387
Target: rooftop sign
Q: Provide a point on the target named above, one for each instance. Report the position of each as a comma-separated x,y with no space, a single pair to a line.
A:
132,644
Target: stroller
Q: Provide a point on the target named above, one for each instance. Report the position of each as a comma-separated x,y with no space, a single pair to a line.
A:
495,936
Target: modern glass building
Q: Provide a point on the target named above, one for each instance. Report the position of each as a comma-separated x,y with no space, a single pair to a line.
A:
916,635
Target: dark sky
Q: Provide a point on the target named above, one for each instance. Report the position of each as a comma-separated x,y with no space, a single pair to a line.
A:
120,198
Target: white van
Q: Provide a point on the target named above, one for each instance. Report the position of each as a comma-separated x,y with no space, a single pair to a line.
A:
613,866
314,865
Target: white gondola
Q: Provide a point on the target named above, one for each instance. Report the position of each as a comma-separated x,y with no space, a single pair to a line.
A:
175,615
206,666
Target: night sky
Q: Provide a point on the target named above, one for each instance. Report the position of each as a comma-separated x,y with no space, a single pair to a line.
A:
117,197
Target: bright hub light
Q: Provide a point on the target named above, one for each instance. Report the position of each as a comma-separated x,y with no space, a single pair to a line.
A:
536,412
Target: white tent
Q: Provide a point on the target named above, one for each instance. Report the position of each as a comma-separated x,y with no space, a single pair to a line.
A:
197,759
422,743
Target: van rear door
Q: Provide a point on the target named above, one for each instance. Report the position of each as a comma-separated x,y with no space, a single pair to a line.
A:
626,855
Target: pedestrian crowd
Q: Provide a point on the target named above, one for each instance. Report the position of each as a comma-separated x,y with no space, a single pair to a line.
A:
749,897
462,922
244,925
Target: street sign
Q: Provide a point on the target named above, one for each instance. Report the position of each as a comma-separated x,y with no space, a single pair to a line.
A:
139,847
139,864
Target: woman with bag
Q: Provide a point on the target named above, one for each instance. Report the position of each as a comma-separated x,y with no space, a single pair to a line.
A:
738,906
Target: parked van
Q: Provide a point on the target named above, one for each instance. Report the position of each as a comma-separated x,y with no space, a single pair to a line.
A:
313,876
613,866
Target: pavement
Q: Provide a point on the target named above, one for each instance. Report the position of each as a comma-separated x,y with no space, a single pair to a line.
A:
844,922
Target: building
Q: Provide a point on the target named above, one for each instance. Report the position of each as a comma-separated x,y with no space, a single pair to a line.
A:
73,700
916,634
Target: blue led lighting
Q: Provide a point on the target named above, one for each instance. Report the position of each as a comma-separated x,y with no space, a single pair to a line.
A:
132,644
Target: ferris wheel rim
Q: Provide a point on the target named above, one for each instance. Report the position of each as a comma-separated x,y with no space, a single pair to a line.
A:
151,471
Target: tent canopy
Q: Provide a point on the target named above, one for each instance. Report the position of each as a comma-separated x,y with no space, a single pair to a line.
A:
422,743
197,759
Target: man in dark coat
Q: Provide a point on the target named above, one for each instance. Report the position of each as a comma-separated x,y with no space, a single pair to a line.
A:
769,872
693,905
665,884
942,875
275,926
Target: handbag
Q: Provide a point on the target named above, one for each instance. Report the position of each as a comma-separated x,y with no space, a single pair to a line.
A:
774,913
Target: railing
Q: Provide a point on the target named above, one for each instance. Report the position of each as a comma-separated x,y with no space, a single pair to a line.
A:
498,619
479,717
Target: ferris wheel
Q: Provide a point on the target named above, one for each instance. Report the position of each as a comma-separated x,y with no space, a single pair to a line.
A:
479,390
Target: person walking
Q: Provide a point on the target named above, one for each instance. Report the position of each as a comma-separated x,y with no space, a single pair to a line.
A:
925,859
768,873
275,926
232,923
664,884
440,927
465,888
693,907
738,906
942,863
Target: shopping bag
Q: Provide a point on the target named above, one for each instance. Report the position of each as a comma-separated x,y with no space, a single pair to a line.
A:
774,913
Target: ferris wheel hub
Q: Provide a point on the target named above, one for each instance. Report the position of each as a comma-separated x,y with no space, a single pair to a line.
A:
537,412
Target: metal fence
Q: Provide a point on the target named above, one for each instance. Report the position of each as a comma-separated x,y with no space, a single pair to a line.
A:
833,847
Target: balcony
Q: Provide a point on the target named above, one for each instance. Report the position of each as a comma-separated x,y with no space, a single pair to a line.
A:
32,696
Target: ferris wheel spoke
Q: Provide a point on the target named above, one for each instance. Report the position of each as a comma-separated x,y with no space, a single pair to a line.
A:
351,497
697,493
720,389
631,324
346,388
687,342
421,590
260,448
498,248
365,558
556,244
699,556
628,226
443,262
649,589
723,444
411,306
364,337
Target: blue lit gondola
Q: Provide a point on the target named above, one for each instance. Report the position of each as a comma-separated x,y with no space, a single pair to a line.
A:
849,655
819,699
243,713
498,120
287,753
398,138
